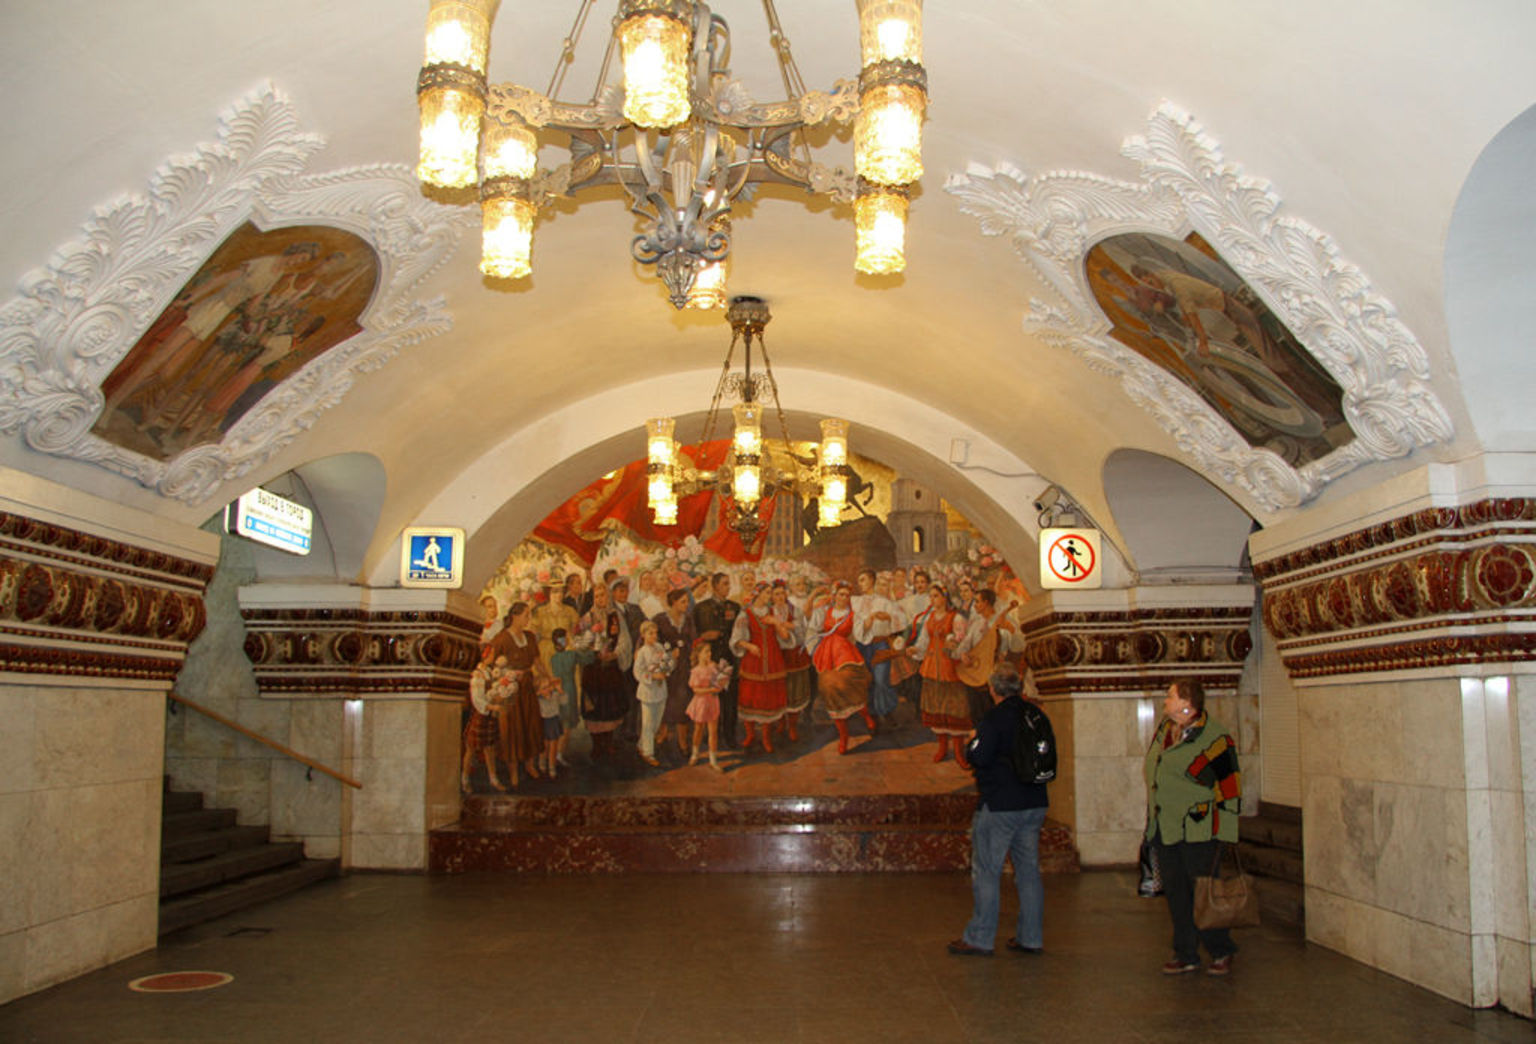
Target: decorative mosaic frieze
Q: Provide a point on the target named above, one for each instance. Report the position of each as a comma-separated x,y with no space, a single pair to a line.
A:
1434,588
1054,219
81,604
1136,652
329,652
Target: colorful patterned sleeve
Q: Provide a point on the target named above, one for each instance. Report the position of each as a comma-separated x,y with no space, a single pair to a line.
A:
1216,767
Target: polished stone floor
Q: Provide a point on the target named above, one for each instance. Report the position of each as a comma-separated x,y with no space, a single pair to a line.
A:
719,957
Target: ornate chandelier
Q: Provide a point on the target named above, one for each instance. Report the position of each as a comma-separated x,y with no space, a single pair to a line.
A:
680,136
750,472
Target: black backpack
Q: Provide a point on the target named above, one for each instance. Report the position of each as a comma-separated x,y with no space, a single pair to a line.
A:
1034,747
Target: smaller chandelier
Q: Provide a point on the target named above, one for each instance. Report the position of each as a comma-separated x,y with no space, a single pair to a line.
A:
750,472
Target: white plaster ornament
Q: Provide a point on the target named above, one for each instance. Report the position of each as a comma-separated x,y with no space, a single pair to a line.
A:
1054,219
74,319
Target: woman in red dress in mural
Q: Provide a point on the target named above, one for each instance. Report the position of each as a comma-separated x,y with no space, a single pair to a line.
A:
946,708
762,693
522,730
841,677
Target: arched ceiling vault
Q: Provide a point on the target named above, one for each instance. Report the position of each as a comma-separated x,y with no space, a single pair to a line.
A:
1326,103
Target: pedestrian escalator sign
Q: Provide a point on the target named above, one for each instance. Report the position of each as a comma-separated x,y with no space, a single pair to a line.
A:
1070,558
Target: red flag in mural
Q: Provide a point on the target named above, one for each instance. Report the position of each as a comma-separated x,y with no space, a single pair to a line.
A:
618,501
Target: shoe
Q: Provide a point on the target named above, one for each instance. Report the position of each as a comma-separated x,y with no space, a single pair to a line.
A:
1014,946
1220,966
961,948
649,760
1178,967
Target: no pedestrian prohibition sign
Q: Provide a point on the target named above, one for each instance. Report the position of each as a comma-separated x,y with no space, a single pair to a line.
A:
1069,558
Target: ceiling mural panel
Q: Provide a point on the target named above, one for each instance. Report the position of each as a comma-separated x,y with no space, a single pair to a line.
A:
193,331
1236,409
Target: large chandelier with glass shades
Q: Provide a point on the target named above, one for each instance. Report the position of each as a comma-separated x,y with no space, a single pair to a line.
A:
680,136
751,471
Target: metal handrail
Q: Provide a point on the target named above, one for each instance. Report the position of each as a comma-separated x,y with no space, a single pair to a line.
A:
259,738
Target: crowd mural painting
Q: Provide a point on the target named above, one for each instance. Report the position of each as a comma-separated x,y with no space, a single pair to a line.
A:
259,309
618,651
1181,306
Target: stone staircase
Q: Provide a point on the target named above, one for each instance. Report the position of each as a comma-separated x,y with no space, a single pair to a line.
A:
877,833
1270,844
210,866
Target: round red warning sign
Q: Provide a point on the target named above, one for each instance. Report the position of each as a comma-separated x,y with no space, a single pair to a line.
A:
1069,558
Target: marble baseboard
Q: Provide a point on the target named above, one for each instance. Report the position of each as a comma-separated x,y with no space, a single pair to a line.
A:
876,833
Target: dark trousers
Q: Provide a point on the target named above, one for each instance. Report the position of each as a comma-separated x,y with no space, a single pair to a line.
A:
1180,864
728,715
979,697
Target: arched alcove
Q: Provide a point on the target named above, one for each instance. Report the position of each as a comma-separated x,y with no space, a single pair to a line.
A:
1490,264
346,493
1178,527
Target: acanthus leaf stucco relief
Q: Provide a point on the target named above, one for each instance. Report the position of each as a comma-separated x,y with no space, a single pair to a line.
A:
77,317
1053,219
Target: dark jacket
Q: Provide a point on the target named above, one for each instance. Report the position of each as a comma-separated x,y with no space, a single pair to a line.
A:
990,755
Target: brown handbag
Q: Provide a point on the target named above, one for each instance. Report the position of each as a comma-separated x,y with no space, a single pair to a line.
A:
1226,902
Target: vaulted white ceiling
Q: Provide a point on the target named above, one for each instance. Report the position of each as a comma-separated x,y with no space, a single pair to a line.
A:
1364,118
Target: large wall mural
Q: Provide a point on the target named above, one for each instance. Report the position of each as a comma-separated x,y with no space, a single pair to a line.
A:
622,656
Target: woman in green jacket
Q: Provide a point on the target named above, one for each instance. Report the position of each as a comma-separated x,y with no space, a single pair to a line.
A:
1193,798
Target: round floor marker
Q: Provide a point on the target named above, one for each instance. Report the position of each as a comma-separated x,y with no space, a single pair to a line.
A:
180,982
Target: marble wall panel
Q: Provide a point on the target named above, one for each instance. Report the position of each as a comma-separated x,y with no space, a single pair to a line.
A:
1063,791
60,949
1111,794
315,730
1421,837
1339,836
202,737
393,798
123,741
13,863
394,729
269,718
13,965
16,740
1107,728
131,926
303,806
389,851
198,774
1436,958
244,784
317,846
1108,847
442,755
1516,961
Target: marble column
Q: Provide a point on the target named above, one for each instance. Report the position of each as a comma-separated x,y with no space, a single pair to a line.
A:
97,605
1406,619
1102,661
379,677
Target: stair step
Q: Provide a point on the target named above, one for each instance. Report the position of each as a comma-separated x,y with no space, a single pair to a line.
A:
1281,901
1273,862
1276,833
236,895
180,824
180,878
172,801
199,846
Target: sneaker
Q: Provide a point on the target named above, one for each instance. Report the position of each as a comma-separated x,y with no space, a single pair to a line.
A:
1014,946
961,948
1220,966
1178,967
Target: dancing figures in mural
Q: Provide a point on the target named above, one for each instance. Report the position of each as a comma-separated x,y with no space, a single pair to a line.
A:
260,308
1183,308
822,648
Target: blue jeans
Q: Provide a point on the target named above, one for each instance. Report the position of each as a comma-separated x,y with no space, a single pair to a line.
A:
994,837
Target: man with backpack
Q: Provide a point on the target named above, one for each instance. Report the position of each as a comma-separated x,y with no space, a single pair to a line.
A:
1013,756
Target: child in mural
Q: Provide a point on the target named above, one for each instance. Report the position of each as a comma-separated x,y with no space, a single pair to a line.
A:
563,665
482,734
705,680
550,698
653,663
